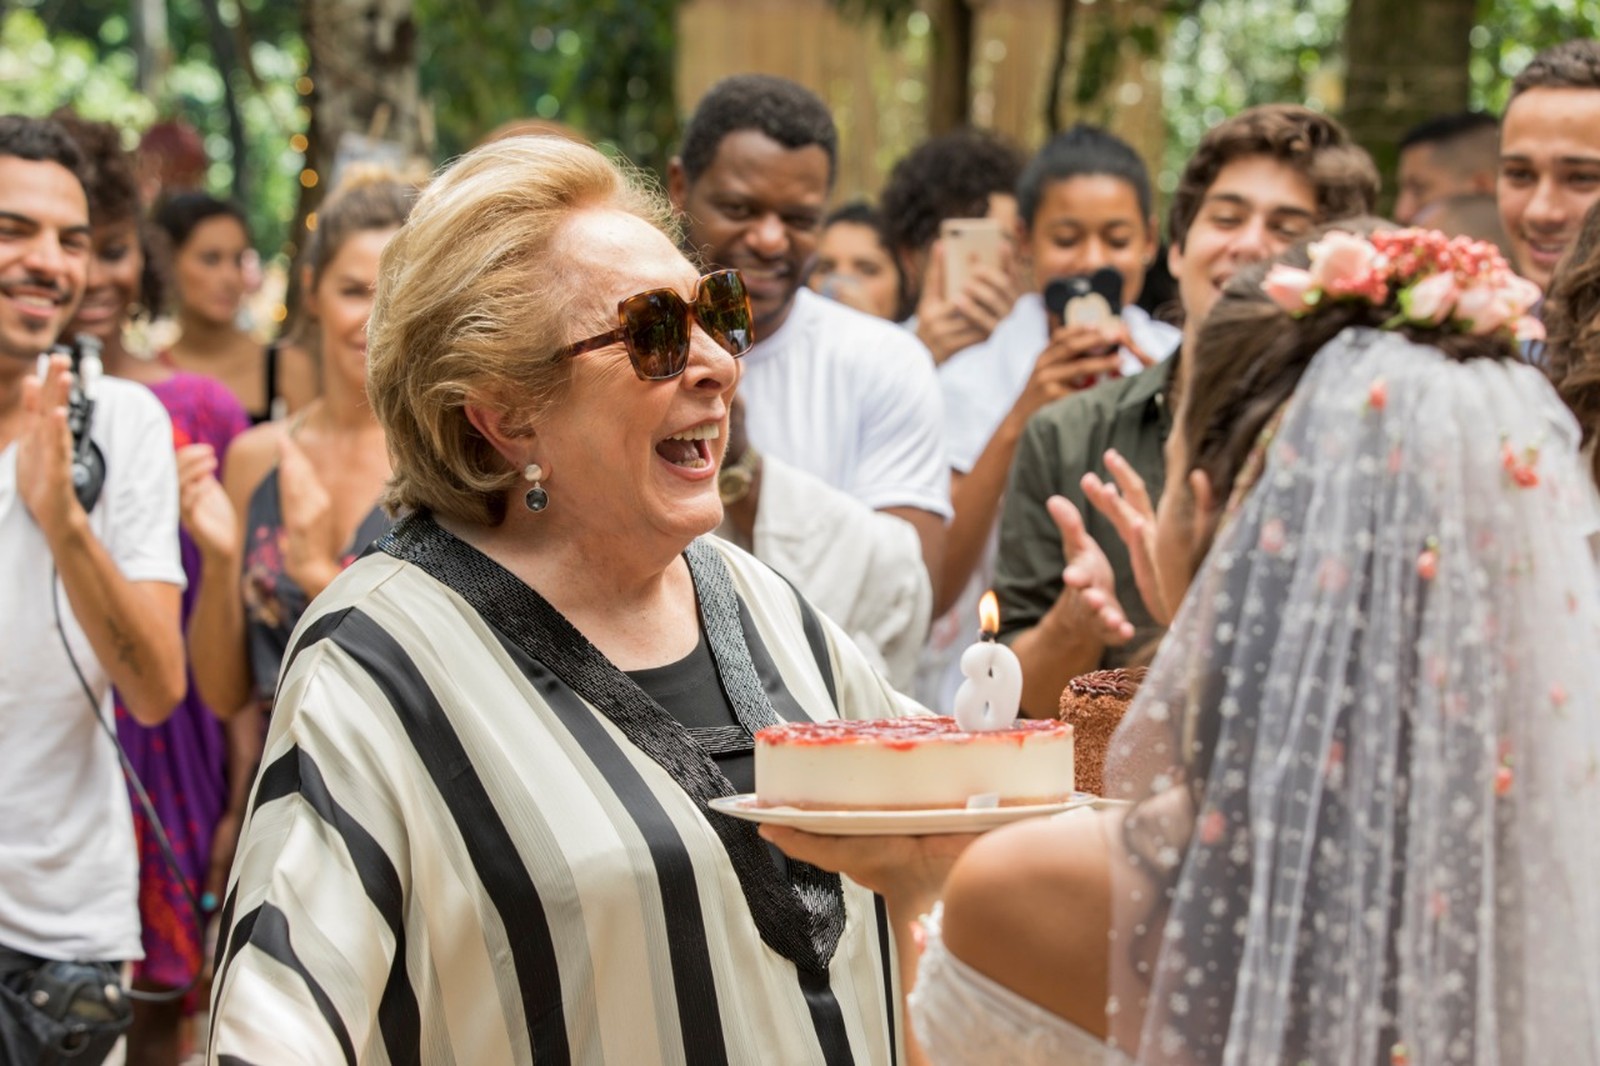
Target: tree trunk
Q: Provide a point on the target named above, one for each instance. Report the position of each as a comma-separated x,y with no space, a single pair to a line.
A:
950,72
363,72
1407,60
1066,12
151,47
1110,75
226,59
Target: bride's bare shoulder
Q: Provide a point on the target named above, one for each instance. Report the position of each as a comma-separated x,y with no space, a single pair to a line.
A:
1029,906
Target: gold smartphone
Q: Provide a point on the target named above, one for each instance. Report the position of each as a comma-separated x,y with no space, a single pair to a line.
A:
970,243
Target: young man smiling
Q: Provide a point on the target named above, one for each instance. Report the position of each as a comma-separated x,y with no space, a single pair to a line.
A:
103,582
1550,155
837,434
1258,182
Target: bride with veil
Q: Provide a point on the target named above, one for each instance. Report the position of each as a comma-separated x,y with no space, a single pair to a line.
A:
1362,778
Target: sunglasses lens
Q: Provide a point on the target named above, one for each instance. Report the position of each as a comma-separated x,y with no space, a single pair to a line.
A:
657,334
723,311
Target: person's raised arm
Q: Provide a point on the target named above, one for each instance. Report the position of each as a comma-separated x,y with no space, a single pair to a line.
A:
945,326
1071,361
132,625
1056,631
1084,620
1126,503
215,515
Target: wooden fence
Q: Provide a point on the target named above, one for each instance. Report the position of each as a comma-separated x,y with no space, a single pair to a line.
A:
877,89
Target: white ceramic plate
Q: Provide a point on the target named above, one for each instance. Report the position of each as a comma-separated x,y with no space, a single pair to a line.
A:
891,823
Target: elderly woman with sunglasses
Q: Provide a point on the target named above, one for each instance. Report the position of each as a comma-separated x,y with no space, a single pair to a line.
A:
480,832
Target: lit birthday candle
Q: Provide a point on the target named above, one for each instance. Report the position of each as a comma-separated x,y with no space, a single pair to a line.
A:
989,696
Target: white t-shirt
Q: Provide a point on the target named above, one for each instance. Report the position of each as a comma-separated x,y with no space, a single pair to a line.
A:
980,383
69,874
852,400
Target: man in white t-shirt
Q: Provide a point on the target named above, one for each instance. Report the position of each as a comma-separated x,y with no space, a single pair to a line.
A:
835,401
103,582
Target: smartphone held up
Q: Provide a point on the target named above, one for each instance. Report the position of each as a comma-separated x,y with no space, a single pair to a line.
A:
1086,300
971,244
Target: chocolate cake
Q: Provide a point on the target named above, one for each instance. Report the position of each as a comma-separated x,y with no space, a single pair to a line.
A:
1093,705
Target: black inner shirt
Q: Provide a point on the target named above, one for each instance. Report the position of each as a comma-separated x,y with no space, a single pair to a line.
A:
691,691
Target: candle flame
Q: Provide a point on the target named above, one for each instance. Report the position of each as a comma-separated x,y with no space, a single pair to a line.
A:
989,613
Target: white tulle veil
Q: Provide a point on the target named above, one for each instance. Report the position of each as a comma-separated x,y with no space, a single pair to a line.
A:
1365,767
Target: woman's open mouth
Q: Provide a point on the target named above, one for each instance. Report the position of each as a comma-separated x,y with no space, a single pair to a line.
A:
690,449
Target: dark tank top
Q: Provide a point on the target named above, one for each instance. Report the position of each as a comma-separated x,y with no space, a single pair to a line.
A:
273,602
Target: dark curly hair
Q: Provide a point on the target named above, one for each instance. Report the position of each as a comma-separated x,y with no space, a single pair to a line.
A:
114,198
1569,65
780,109
40,140
1250,354
1572,321
1341,173
948,176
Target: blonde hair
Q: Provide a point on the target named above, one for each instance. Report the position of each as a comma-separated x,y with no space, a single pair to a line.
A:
470,308
368,197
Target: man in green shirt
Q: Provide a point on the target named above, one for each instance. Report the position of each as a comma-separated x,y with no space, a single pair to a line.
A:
1068,602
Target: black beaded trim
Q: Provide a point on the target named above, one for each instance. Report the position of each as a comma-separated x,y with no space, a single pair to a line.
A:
722,739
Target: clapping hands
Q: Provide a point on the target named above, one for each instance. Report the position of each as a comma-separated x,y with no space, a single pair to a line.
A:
44,450
204,510
1127,504
311,553
1090,587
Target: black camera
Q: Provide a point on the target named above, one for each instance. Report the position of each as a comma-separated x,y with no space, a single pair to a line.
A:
88,461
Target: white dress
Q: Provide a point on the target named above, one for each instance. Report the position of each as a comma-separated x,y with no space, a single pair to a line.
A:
961,1017
1591,528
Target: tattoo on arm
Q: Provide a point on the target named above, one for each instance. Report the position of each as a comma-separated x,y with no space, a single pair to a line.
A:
127,650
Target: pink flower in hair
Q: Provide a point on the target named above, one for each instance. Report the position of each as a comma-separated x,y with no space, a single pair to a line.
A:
1528,328
1289,288
1496,299
1343,264
1481,309
1430,301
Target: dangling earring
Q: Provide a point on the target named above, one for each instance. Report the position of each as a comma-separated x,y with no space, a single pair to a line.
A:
537,499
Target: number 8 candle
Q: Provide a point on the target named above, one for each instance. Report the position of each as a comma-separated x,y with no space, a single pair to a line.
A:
989,696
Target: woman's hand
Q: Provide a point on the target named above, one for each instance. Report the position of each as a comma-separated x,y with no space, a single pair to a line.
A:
1090,592
310,557
1127,504
1076,358
204,509
904,870
948,326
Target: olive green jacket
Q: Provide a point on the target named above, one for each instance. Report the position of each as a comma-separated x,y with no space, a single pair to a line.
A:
1061,443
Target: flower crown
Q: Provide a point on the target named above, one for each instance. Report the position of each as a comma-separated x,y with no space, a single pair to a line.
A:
1433,280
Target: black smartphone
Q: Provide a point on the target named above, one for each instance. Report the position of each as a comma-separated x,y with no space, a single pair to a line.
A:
1085,299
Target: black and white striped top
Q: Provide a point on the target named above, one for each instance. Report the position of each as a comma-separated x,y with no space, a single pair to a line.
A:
474,841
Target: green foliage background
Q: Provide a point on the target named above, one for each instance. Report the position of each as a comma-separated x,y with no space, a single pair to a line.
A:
605,67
